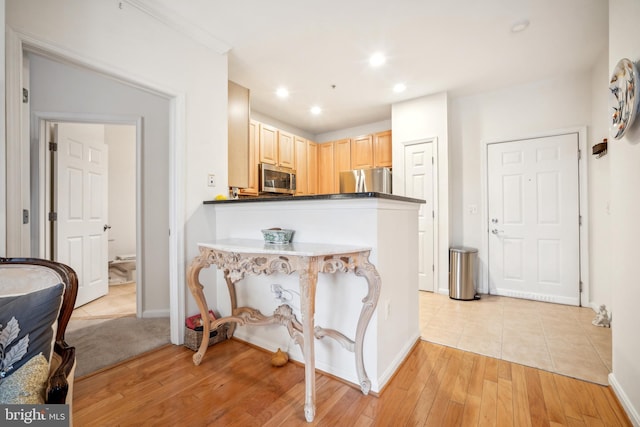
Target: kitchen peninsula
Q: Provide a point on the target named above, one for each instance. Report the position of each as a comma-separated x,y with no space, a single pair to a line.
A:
385,223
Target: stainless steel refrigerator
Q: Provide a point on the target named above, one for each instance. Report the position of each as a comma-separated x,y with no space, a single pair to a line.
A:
366,180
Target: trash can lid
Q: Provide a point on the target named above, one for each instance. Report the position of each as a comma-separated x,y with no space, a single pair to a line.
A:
463,249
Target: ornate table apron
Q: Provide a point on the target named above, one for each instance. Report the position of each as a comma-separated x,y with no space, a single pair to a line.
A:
237,261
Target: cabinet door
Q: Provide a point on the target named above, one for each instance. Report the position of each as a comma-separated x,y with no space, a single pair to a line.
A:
342,159
286,150
254,135
362,152
382,149
268,143
301,165
326,170
312,167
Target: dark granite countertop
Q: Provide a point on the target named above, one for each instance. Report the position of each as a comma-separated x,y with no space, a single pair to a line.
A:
341,196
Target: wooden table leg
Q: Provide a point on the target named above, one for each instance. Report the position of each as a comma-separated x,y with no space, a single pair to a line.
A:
195,287
368,271
308,282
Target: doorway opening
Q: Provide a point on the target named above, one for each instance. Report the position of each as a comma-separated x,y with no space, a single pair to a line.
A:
87,197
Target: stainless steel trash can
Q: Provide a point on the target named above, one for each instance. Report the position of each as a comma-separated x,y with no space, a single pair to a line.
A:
462,273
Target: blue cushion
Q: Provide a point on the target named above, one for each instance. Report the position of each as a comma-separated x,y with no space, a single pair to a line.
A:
27,327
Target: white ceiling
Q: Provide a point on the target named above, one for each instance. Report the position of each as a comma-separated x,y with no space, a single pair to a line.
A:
460,46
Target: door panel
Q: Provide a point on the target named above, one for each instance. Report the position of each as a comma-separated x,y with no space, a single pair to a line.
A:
534,219
81,202
419,184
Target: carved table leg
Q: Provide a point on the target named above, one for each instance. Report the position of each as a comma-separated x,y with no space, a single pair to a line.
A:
195,287
308,282
368,271
231,286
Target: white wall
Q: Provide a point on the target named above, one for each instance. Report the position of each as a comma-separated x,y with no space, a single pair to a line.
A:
624,162
422,119
600,253
126,43
366,129
3,161
519,111
121,140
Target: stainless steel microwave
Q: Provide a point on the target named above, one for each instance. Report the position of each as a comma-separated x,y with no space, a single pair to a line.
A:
274,179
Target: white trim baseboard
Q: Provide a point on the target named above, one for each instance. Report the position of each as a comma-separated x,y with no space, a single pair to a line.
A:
631,411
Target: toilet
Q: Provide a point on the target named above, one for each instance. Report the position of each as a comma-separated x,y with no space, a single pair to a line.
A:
122,269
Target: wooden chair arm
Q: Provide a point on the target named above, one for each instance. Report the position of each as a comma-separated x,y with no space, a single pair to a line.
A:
58,386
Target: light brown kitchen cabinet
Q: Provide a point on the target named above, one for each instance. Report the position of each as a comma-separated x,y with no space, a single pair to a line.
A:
362,152
312,167
342,161
268,143
382,149
286,150
326,168
254,134
238,135
301,165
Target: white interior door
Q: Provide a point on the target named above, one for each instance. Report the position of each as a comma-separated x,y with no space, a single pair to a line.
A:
419,184
81,203
533,209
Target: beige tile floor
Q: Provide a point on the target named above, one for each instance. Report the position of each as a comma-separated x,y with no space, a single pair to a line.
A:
119,302
553,337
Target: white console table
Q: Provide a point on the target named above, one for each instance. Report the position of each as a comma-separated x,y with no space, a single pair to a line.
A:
237,258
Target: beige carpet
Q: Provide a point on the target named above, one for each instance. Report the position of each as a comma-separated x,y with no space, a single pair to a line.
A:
101,343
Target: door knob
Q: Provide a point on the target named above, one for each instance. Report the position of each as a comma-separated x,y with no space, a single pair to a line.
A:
106,227
496,231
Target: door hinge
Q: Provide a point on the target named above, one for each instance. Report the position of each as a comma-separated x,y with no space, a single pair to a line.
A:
53,146
53,216
579,219
25,216
25,95
580,285
433,268
579,154
432,161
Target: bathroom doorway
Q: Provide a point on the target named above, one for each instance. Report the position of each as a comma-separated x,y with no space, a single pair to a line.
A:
90,207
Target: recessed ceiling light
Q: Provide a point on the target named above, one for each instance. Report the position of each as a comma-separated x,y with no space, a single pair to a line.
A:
377,59
520,26
282,92
315,110
399,87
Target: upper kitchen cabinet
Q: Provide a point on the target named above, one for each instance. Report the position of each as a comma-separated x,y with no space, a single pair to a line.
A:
382,149
312,167
326,169
301,166
286,150
276,147
238,135
342,161
252,189
362,152
268,144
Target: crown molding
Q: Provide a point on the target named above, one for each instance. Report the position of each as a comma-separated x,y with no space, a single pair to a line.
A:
181,25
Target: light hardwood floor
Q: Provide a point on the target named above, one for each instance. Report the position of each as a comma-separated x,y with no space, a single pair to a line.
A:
236,386
554,337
